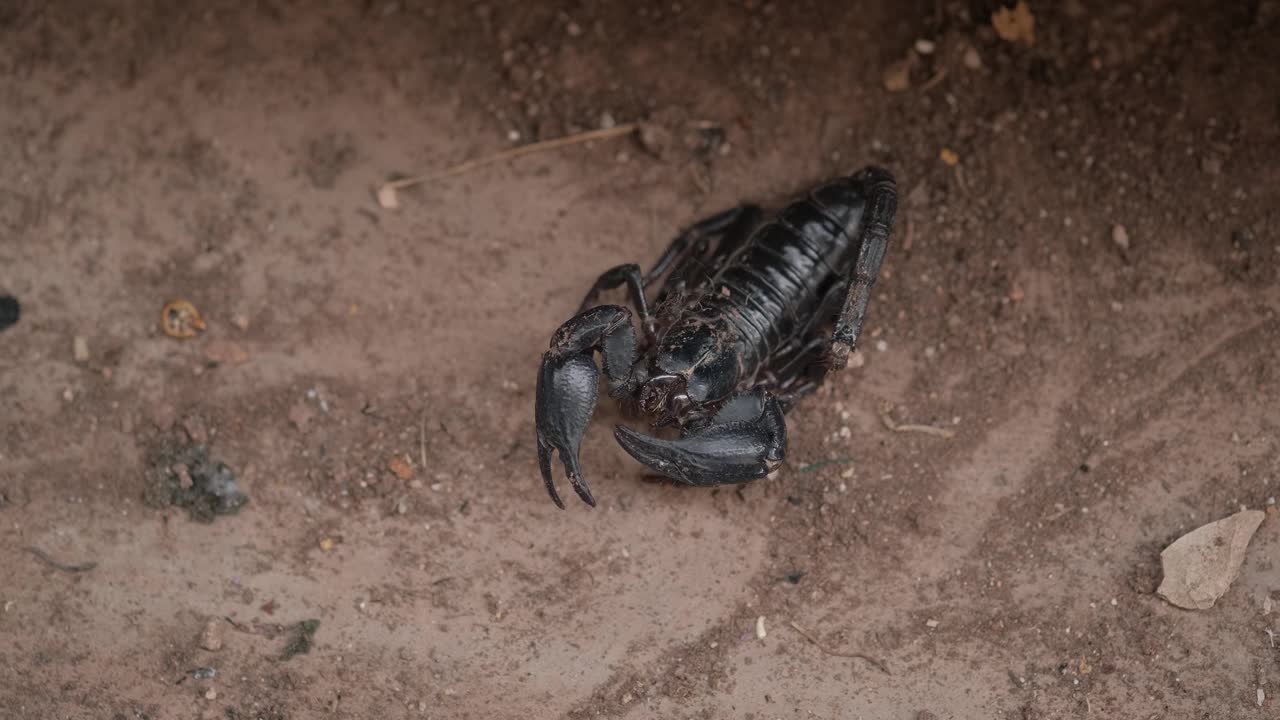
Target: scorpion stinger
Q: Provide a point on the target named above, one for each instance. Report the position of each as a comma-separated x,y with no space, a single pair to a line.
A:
745,440
567,382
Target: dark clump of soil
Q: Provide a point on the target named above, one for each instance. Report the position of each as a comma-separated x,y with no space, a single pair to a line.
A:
183,475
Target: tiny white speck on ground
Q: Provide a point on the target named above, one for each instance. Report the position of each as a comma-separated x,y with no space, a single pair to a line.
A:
931,623
760,631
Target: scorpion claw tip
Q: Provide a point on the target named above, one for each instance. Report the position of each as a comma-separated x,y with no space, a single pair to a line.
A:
583,491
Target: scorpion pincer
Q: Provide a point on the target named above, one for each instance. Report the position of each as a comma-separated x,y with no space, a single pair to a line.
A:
748,318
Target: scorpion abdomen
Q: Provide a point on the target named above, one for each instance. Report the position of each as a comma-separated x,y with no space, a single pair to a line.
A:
777,280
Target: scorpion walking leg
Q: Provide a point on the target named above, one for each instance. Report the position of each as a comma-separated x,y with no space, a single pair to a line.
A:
567,386
877,223
612,278
746,439
695,236
692,241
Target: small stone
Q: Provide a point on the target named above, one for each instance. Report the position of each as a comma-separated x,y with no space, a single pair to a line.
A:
211,694
881,346
897,76
925,47
931,623
184,475
196,430
68,394
1017,294
948,157
626,698
241,321
327,543
972,59
760,631
607,121
857,359
574,29
211,637
1120,236
654,138
930,352
80,349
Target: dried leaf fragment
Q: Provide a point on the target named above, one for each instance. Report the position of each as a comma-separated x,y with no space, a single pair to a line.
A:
1200,566
181,319
1016,24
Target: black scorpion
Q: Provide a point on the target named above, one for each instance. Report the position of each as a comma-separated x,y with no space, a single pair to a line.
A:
738,335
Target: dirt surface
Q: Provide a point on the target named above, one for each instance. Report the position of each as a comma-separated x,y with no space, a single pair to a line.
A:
368,374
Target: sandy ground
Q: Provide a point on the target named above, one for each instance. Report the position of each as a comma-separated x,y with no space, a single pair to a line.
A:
1106,397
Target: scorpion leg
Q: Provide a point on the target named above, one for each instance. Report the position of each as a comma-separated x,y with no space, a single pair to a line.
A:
745,440
568,382
610,279
692,238
877,222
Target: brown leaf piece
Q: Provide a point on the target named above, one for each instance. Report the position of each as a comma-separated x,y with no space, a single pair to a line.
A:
1016,24
1200,566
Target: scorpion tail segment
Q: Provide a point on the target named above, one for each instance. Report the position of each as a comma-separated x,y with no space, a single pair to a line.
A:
716,454
568,382
877,224
565,399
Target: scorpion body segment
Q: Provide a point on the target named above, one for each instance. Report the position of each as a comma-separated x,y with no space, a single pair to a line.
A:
749,318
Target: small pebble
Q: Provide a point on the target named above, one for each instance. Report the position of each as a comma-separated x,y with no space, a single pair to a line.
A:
760,632
607,121
972,59
513,135
881,346
574,29
1120,237
211,694
931,623
857,359
897,76
925,47
80,349
211,638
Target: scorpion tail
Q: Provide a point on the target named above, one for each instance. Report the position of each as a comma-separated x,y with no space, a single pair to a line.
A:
746,440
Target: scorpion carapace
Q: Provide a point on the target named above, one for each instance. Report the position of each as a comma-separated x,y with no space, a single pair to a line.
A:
748,319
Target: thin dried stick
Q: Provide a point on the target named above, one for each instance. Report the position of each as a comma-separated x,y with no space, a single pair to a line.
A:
877,664
422,439
588,136
47,559
926,429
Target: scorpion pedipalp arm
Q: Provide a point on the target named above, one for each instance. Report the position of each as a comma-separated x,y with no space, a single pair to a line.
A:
567,387
746,440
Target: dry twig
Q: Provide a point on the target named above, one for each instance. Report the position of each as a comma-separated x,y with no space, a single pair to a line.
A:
926,429
877,664
387,191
